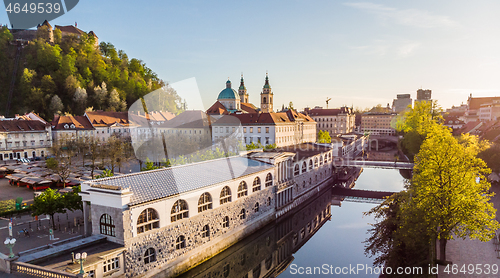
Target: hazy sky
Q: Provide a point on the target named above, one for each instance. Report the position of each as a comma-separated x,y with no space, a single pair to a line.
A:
357,53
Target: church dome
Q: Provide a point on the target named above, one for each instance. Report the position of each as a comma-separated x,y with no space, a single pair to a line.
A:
228,93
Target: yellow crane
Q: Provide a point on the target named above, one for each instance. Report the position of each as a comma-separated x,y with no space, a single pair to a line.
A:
327,100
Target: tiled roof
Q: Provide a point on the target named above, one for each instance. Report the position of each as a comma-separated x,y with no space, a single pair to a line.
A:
303,150
79,122
70,29
21,125
163,183
106,119
476,102
327,112
189,119
248,107
217,109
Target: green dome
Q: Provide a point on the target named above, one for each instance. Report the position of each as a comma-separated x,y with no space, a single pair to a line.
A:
228,93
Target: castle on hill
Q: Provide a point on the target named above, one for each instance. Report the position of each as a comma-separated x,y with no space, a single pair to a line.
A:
68,30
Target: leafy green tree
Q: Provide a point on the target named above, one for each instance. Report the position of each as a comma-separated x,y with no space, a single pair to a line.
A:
72,200
415,124
105,174
253,146
149,166
49,202
324,137
270,147
451,190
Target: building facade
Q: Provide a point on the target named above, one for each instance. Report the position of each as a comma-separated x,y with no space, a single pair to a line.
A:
169,219
401,103
378,123
21,138
335,121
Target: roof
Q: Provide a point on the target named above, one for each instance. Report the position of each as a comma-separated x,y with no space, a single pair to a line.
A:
71,123
476,102
106,119
303,150
21,126
228,93
217,109
189,119
249,108
328,112
266,118
163,183
70,29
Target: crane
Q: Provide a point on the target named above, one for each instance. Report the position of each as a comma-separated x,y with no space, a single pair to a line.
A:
327,100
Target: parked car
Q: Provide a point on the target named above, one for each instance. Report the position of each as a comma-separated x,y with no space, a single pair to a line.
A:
37,158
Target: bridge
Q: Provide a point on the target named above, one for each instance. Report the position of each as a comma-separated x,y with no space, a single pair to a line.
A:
361,196
374,164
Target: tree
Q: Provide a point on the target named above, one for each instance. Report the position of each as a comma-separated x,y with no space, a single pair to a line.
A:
56,105
49,202
72,200
324,137
416,123
451,190
80,101
100,93
94,153
114,151
60,164
491,155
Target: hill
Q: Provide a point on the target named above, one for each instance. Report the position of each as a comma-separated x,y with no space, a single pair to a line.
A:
70,74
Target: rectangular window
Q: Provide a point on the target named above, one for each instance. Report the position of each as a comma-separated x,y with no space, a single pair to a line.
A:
41,142
234,129
17,144
267,129
245,129
267,140
227,129
251,130
215,130
111,264
259,130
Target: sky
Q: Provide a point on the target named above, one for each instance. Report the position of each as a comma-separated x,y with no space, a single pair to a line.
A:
357,53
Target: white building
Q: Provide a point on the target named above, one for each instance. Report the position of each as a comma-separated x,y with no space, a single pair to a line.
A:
20,138
335,121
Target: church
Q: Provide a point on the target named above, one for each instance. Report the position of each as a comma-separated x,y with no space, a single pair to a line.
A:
259,125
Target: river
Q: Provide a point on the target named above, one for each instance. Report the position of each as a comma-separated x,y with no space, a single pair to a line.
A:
320,234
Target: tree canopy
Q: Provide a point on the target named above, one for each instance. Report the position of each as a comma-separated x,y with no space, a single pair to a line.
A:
75,70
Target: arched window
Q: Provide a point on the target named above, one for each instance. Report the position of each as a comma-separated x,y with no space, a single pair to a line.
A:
268,201
304,184
256,207
256,184
269,262
179,211
264,100
310,164
316,162
205,232
205,202
330,156
243,214
150,256
269,180
225,222
225,195
304,167
180,242
256,271
107,225
321,160
326,159
296,170
148,220
242,189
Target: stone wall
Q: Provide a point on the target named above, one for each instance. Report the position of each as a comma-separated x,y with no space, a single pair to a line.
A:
196,249
118,216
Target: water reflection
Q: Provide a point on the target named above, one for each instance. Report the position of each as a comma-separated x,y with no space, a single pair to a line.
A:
268,252
316,234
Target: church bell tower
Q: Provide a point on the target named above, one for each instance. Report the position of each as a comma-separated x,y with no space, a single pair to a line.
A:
266,97
242,91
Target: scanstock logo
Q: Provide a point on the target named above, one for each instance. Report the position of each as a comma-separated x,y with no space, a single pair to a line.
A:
28,14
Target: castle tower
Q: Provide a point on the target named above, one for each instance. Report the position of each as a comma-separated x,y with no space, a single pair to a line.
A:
266,97
242,91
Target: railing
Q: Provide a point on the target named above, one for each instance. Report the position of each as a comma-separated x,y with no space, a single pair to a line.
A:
39,271
27,147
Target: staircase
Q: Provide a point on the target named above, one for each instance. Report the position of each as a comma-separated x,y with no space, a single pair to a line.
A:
13,81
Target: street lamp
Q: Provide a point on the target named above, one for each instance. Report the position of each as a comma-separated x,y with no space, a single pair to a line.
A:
10,244
81,258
